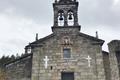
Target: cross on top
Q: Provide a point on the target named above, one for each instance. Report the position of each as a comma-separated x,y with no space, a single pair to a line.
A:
89,60
46,61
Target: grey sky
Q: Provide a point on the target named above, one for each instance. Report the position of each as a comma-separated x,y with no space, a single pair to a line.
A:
20,20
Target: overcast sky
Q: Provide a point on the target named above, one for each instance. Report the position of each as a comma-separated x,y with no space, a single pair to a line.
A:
20,20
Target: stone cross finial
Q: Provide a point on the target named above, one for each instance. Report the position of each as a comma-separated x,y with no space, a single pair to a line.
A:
97,34
36,38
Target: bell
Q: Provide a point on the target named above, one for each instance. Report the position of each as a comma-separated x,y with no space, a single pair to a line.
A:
70,16
61,17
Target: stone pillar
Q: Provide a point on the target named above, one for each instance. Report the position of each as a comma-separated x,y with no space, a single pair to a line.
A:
36,63
113,60
65,19
75,18
55,17
100,73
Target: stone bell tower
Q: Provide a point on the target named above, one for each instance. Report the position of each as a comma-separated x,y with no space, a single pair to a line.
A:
65,14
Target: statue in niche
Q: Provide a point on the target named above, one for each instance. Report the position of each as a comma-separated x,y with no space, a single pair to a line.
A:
66,41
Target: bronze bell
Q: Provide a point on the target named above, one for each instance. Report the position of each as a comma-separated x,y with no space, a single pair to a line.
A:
61,17
70,16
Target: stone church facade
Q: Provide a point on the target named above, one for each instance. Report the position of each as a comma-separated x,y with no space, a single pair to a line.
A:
67,53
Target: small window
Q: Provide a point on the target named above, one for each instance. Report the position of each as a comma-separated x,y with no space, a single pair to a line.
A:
66,53
29,50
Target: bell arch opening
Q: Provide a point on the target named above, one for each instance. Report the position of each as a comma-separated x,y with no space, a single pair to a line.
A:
70,18
60,18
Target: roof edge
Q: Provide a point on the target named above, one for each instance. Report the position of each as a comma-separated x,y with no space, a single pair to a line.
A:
19,58
92,38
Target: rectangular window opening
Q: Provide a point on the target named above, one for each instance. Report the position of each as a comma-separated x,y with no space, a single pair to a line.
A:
66,53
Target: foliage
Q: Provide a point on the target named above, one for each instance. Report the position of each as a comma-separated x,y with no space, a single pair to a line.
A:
2,74
7,59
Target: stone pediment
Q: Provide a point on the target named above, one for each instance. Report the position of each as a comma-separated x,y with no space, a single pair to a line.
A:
97,41
38,42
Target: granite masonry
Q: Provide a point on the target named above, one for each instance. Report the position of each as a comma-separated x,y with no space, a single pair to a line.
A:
67,53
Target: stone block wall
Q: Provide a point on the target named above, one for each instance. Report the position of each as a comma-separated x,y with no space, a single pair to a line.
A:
19,69
80,47
106,62
113,47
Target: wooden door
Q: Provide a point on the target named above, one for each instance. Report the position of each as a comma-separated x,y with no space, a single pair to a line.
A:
67,76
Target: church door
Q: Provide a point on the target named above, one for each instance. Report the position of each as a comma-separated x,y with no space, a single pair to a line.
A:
67,76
